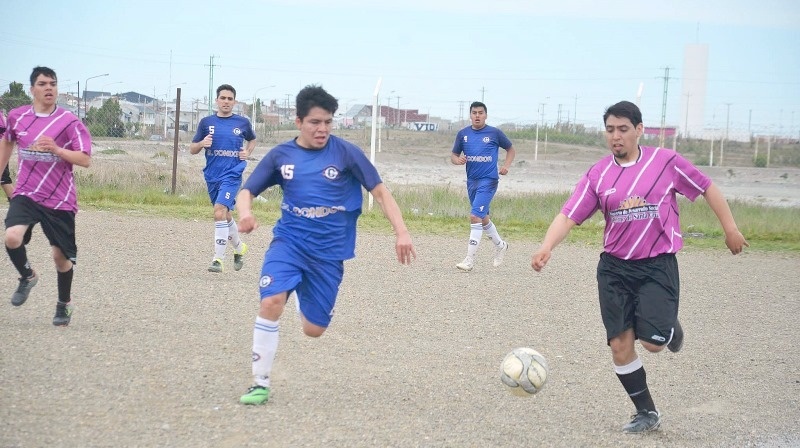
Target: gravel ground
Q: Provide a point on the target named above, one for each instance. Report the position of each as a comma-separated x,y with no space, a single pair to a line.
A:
158,351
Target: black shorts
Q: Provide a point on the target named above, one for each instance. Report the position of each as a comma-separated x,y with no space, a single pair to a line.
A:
639,294
6,178
57,225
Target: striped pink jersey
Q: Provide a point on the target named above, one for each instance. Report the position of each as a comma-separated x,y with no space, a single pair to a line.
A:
43,176
638,201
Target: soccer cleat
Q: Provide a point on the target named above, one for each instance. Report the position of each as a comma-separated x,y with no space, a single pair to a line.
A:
63,314
466,265
24,289
676,344
216,266
499,253
238,259
255,395
643,421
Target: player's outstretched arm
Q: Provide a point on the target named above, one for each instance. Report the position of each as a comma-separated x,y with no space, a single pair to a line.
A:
558,230
733,237
403,245
244,204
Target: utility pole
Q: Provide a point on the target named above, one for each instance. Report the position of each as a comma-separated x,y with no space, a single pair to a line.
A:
686,118
210,81
664,108
575,113
483,92
536,147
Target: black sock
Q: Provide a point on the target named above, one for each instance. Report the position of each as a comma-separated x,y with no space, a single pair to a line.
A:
65,286
19,257
635,383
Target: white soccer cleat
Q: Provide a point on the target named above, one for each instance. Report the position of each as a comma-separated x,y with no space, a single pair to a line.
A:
466,265
499,253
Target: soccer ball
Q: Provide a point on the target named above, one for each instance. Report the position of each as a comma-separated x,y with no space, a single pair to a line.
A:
524,371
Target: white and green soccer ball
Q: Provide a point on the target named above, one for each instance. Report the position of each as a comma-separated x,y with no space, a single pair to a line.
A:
524,371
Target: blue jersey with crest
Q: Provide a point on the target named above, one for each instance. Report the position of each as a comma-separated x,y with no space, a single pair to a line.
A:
481,148
228,136
322,195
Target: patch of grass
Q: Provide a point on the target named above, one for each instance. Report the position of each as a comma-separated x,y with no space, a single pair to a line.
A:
444,210
112,151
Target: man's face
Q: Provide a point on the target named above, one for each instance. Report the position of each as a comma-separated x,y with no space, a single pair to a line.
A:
622,138
44,91
315,128
478,117
225,101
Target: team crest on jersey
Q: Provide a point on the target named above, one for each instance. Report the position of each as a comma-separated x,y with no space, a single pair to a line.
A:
237,131
486,139
265,281
331,172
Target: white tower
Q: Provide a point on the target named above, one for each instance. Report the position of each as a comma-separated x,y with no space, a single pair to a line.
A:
693,92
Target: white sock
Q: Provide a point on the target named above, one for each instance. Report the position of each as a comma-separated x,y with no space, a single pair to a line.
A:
475,234
491,230
233,235
220,239
265,345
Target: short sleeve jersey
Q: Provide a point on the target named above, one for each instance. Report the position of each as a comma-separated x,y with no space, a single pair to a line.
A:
42,176
481,148
228,137
322,195
638,201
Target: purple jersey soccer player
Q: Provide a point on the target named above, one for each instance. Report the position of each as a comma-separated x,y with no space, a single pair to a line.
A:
50,140
635,188
477,147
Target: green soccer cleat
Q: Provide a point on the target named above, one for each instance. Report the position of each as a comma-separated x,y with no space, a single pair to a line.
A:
216,266
63,314
238,259
255,395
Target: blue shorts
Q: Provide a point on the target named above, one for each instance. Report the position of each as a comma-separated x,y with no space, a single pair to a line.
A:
481,192
224,192
315,280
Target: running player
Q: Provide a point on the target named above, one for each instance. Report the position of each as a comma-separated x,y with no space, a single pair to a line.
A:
635,187
50,140
222,135
477,147
321,176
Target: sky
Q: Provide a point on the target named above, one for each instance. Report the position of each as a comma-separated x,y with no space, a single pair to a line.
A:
528,60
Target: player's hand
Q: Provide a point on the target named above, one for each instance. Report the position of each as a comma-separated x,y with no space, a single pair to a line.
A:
503,170
247,223
207,141
243,155
736,242
405,249
540,259
44,144
462,159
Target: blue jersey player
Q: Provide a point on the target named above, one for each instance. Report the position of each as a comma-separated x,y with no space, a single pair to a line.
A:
222,136
321,176
477,147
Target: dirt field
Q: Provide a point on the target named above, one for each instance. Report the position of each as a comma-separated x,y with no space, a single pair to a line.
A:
158,351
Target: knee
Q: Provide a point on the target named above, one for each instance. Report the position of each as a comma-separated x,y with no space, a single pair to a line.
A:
13,239
652,348
312,330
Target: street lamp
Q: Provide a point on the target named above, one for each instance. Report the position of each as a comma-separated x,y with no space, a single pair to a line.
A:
102,89
253,114
86,88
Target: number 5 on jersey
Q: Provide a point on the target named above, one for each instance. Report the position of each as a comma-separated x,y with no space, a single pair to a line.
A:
287,171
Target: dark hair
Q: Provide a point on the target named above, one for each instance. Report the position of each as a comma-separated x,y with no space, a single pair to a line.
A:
46,71
314,96
226,87
478,104
624,109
